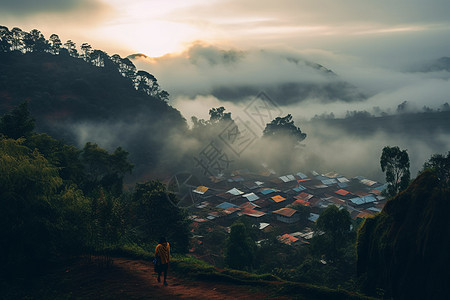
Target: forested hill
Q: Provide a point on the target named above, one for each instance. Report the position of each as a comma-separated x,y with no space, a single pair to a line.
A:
404,251
87,97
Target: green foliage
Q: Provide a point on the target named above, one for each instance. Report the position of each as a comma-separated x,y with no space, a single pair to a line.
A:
28,198
18,123
440,165
408,239
395,163
284,126
104,169
157,216
334,223
240,248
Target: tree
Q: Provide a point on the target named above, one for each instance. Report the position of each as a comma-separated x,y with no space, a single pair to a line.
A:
395,163
240,249
104,169
218,115
440,165
157,216
71,48
28,185
17,38
284,126
55,43
18,123
334,225
5,39
86,48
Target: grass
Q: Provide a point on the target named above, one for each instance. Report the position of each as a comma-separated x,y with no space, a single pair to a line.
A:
195,269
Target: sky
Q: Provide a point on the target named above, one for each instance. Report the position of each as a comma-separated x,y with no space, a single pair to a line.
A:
311,57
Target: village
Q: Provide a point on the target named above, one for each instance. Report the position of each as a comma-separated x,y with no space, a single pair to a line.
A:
288,205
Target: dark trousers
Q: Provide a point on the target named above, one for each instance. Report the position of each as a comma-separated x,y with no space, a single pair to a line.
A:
163,269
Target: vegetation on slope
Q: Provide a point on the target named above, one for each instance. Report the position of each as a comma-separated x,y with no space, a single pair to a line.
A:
404,251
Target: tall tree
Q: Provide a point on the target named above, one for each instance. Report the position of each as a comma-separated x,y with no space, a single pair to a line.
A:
71,48
5,39
157,216
240,249
334,226
86,49
55,43
395,163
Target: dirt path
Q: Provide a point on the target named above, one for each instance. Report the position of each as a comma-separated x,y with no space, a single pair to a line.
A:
135,279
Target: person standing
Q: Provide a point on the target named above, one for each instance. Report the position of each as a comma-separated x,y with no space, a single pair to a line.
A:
162,254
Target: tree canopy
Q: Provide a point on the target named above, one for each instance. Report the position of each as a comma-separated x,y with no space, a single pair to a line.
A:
395,163
284,126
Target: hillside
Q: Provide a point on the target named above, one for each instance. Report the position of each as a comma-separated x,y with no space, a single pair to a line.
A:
79,102
404,250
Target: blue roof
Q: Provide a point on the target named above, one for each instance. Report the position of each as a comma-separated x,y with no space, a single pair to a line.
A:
225,205
343,184
267,191
320,177
301,175
329,181
299,188
363,200
381,187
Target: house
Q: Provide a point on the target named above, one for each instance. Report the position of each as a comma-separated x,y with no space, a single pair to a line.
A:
313,217
277,199
287,215
251,196
253,213
288,239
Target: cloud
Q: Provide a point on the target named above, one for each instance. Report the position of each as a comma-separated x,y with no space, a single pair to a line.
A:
235,75
24,8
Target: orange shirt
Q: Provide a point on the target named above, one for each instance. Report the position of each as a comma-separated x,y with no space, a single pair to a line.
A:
162,252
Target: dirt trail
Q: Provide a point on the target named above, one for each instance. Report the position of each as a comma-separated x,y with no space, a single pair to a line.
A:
135,279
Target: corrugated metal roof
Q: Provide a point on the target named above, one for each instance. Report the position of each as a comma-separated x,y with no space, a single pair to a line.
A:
225,205
342,192
299,188
287,239
278,198
285,211
201,189
313,217
267,191
301,175
363,200
304,196
235,191
251,196
301,202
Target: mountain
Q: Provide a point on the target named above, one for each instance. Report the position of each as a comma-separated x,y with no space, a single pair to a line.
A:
437,65
79,102
404,252
235,75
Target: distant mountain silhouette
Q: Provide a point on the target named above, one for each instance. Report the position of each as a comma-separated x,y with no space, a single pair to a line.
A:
441,64
317,82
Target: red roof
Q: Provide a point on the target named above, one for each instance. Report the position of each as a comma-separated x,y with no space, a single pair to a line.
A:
301,180
304,196
285,211
301,202
287,239
342,192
